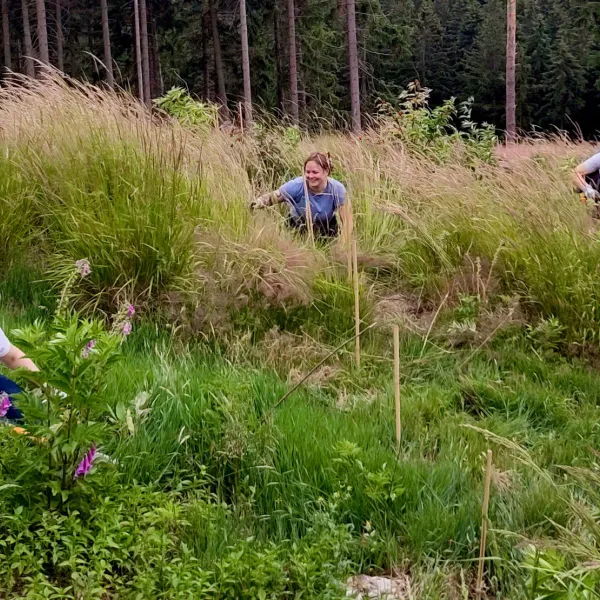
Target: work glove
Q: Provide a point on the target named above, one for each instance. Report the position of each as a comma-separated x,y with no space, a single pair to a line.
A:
261,202
590,193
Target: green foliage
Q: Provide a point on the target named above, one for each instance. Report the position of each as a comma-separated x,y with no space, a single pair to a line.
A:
550,579
432,132
66,403
189,112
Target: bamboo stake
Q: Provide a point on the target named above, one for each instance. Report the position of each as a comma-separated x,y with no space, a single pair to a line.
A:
484,519
397,383
309,221
348,227
356,304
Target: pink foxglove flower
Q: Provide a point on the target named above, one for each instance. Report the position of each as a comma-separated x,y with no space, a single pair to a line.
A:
83,267
89,346
5,404
126,328
130,311
86,464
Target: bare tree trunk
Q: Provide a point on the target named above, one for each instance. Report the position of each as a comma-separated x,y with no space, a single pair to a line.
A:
293,64
246,64
42,31
278,52
27,43
221,92
138,51
205,58
110,78
353,64
511,61
6,36
145,53
60,53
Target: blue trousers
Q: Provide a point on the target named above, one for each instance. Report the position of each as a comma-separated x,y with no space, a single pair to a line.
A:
8,386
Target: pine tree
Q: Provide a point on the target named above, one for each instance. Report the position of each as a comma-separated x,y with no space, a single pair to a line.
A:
353,66
110,80
42,32
138,51
145,51
511,57
6,36
427,43
485,68
245,64
565,82
27,43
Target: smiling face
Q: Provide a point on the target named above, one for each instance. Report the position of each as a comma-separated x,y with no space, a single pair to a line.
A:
316,176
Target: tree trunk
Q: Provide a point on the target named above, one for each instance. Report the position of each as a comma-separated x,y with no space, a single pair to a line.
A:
27,43
138,51
145,53
110,78
205,58
42,31
353,64
278,52
6,36
60,40
245,64
293,64
511,61
221,92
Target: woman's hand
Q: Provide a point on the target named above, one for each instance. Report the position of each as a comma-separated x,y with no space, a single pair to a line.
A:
266,200
261,202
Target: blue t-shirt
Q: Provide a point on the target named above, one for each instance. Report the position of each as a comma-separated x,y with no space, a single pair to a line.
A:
322,206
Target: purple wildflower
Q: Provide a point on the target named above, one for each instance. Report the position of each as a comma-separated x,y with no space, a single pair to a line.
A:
86,464
5,404
89,346
130,311
83,267
126,328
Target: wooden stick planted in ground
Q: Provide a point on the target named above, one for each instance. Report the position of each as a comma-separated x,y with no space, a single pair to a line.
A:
484,523
356,304
348,235
397,383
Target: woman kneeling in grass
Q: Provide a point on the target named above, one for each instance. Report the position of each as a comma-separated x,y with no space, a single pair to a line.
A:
326,198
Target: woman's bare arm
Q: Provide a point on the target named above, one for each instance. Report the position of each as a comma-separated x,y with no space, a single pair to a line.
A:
16,359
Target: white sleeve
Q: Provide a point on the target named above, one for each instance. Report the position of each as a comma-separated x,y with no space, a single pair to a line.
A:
4,344
592,164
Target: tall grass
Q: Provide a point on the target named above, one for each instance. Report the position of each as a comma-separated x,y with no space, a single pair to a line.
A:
161,212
